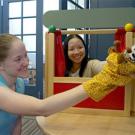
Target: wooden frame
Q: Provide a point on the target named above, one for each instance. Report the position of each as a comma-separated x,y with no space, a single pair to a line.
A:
50,79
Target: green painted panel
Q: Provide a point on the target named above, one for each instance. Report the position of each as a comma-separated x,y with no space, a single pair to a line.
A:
93,18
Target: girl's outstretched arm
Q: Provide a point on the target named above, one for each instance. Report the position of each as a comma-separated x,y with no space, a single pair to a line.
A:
27,105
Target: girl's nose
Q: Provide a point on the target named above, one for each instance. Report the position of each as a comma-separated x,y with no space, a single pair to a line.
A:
26,61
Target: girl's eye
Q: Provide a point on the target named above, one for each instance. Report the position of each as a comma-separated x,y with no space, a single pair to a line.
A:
17,60
26,56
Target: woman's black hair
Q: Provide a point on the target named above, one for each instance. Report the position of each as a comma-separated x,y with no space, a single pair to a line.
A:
69,63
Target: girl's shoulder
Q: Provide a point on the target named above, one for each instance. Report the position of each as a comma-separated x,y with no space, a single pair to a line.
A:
20,87
3,81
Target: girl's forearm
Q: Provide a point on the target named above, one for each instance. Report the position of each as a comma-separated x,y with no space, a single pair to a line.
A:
64,100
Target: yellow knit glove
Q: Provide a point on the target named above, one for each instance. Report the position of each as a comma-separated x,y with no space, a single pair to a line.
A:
113,74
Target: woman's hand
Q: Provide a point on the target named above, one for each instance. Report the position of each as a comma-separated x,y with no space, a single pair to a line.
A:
132,75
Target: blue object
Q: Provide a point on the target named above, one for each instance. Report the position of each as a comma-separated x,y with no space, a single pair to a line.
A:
8,120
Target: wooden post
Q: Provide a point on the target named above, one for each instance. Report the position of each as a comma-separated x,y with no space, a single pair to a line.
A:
49,70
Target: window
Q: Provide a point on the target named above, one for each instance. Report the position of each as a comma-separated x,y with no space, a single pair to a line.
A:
27,25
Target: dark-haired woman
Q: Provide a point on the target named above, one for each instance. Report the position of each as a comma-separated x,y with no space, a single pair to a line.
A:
77,62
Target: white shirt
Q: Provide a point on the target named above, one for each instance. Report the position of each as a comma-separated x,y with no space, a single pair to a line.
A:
75,74
93,67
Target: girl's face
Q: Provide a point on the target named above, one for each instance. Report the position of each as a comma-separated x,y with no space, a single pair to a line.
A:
16,64
76,50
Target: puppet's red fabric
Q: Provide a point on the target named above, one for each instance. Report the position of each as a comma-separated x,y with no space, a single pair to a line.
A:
120,35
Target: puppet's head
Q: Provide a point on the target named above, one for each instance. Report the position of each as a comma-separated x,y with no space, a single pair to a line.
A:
122,62
129,54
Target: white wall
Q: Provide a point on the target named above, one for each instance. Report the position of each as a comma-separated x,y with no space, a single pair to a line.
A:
48,5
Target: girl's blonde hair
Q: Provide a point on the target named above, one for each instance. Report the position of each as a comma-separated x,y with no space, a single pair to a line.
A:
6,41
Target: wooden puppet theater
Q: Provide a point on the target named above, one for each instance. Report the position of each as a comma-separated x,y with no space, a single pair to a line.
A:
117,102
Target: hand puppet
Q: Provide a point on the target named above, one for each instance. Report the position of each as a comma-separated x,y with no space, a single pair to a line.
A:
116,72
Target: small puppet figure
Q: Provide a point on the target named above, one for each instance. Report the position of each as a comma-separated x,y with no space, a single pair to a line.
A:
114,73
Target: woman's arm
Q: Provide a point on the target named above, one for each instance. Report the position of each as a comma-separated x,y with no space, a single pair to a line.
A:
132,75
97,66
93,67
26,105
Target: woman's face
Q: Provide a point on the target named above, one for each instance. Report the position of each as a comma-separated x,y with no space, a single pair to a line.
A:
76,50
16,63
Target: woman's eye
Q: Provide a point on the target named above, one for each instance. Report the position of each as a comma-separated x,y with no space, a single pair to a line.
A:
80,47
71,49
